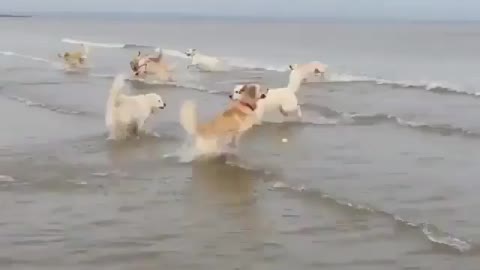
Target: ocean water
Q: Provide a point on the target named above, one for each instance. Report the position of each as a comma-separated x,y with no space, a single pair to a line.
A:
381,172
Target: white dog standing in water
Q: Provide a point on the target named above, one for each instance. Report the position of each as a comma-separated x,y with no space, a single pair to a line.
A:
204,62
283,100
126,115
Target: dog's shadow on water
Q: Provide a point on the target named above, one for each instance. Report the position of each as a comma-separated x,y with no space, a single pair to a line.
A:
222,180
144,149
224,200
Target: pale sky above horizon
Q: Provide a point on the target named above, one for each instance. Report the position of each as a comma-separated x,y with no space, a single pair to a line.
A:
408,9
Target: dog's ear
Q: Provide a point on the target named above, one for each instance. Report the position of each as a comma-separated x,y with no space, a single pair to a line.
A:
251,91
243,89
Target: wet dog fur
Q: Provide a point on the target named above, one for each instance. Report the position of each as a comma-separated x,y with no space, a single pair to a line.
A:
126,115
75,59
227,127
148,65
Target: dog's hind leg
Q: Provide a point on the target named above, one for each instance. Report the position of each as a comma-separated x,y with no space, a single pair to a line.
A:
140,126
290,106
234,141
132,129
143,130
299,112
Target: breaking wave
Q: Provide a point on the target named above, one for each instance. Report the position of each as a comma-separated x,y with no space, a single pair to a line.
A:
430,232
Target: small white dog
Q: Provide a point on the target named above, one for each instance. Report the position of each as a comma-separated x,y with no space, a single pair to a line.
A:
204,62
126,115
283,100
76,59
315,68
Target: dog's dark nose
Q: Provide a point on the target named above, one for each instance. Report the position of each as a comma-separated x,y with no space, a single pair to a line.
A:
230,96
263,96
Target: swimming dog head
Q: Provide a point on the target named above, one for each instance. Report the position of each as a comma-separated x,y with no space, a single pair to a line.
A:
73,59
155,101
191,52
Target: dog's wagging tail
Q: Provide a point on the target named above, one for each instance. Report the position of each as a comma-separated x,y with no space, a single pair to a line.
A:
188,117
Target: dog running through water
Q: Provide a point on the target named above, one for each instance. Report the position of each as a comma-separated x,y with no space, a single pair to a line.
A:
227,127
75,59
149,65
204,62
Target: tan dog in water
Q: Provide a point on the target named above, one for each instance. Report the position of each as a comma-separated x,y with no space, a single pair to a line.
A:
228,126
75,59
142,66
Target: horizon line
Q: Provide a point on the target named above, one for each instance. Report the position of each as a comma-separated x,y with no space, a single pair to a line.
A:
190,15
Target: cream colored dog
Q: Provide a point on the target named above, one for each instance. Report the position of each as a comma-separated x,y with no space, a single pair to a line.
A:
312,68
76,59
284,100
210,137
204,62
149,65
126,115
